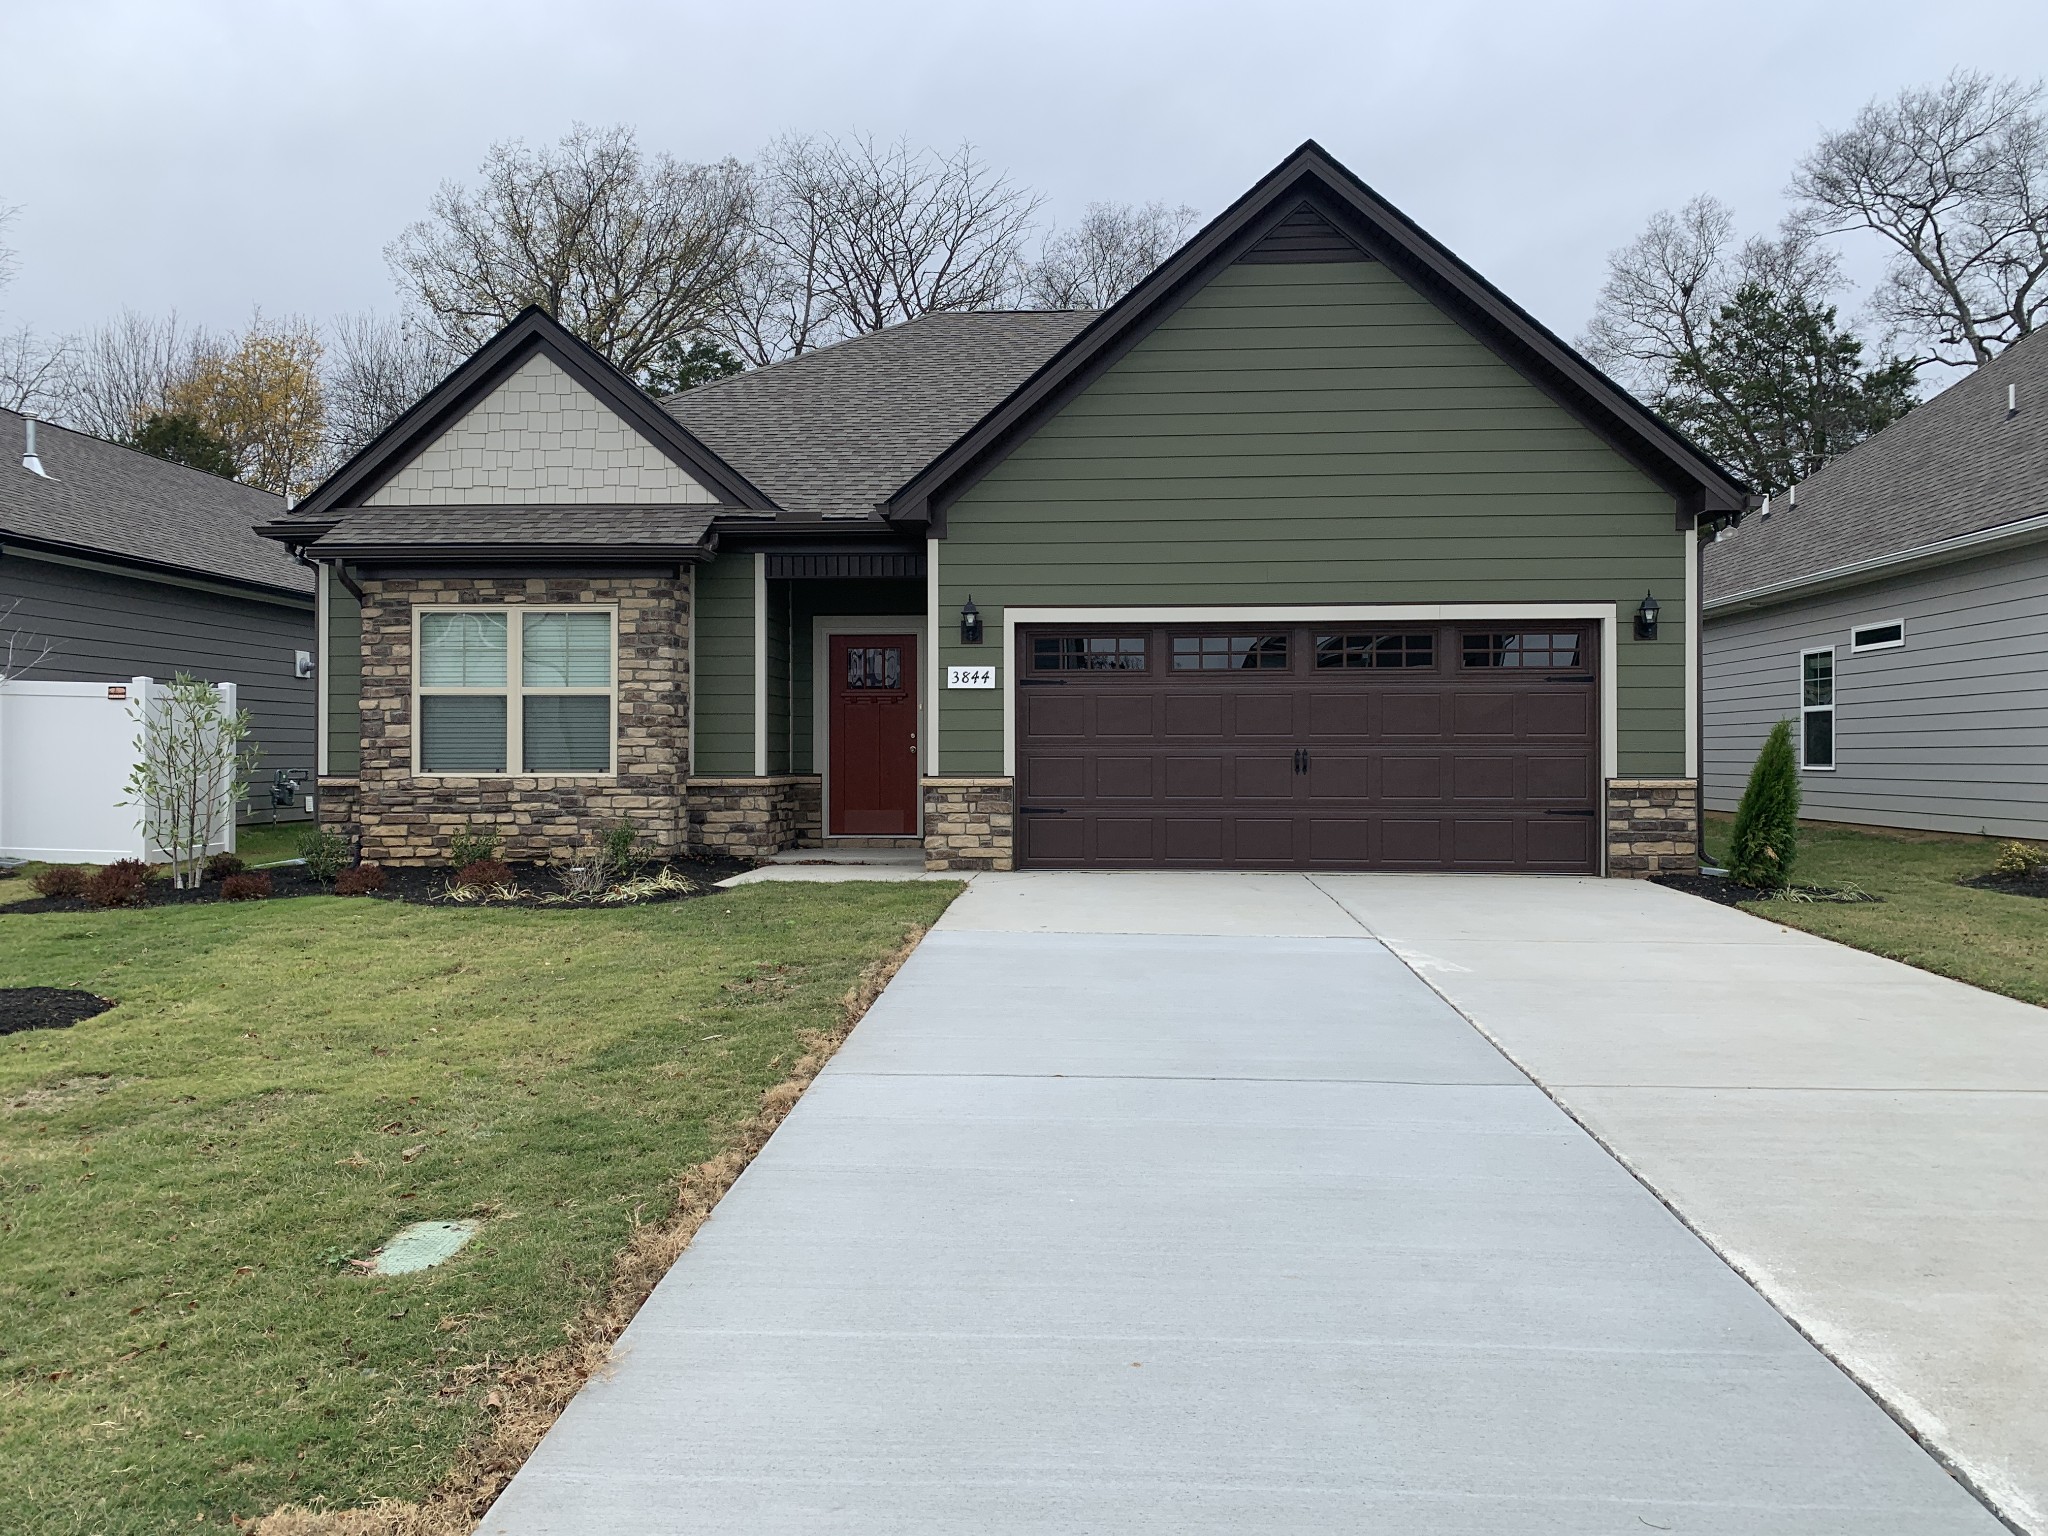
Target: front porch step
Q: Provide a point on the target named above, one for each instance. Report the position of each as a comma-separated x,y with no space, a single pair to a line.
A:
901,856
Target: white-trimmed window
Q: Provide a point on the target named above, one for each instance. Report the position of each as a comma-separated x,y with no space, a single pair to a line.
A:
515,690
1817,708
1887,636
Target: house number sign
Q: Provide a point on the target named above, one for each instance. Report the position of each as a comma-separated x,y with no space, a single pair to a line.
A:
970,677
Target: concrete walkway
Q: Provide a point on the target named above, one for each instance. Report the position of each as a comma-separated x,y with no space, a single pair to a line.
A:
1178,1204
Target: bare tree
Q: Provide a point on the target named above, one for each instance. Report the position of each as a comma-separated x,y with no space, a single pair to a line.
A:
1665,288
627,250
119,375
20,650
30,366
1106,255
854,235
1955,177
377,368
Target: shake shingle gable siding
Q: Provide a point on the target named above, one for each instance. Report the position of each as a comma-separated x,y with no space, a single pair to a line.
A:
1955,465
833,432
103,499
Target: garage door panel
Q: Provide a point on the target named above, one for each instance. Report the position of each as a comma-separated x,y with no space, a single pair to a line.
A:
1566,712
1263,776
1263,714
1052,716
1483,714
1378,762
1411,714
1123,714
1406,777
1478,842
1559,779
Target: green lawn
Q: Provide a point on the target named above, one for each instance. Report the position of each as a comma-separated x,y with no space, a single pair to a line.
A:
286,1083
1986,938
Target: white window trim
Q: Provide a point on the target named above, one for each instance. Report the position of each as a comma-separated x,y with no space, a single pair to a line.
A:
823,628
1857,648
1806,709
514,690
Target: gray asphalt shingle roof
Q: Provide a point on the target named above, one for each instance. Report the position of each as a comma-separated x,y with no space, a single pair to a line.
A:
112,501
514,527
1951,466
836,430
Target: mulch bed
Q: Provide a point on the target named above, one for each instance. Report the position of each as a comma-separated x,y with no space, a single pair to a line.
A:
46,1008
1729,894
2035,884
421,887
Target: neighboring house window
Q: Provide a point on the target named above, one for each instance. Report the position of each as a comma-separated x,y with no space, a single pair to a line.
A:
1817,708
1877,637
515,690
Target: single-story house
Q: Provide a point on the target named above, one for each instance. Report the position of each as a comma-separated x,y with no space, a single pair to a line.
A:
1894,607
1314,551
116,565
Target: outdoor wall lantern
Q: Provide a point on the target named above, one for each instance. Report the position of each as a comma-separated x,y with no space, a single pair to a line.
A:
1646,618
970,622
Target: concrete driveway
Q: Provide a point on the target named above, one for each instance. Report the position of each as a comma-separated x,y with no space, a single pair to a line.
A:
1181,1203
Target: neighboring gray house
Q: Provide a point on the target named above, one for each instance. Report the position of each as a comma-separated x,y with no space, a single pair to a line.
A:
128,566
1895,608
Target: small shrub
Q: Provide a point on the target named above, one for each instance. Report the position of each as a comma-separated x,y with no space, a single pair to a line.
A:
61,880
221,865
254,886
622,848
123,883
1765,839
325,852
360,881
2015,861
485,875
473,845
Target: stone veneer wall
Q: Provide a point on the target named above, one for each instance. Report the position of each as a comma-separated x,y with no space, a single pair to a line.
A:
336,804
403,819
748,818
968,824
1653,827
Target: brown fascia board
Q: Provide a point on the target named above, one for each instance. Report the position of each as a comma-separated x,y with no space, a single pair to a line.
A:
532,331
1310,175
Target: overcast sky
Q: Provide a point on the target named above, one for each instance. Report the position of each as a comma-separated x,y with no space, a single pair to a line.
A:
211,157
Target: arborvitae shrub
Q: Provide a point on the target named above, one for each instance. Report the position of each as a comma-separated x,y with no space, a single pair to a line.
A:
1765,841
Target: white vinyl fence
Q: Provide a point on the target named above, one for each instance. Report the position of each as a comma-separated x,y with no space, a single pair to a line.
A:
66,750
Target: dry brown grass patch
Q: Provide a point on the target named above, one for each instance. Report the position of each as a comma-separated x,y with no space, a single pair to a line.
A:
525,1397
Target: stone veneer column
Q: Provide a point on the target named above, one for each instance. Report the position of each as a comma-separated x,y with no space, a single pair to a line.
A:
406,819
968,823
1653,827
748,818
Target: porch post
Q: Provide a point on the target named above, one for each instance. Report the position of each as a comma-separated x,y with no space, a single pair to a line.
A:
760,666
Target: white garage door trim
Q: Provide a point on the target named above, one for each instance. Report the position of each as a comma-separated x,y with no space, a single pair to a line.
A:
1336,613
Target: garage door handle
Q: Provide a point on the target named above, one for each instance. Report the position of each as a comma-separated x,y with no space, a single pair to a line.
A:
1041,682
1571,813
1586,678
1048,810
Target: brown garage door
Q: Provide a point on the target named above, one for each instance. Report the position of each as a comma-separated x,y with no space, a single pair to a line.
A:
1325,746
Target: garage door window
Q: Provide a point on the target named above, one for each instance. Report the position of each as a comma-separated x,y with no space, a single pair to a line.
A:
1376,650
1229,653
1495,648
1088,653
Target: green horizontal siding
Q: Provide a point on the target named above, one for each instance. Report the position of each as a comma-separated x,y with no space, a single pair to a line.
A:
344,678
724,666
1315,434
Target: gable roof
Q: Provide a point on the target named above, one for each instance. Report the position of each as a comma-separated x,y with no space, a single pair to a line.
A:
1308,208
1952,469
114,503
831,433
496,360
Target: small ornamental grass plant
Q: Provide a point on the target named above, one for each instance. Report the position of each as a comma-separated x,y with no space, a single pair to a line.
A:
1764,843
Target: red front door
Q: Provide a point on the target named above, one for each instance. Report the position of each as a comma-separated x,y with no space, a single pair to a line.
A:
873,727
